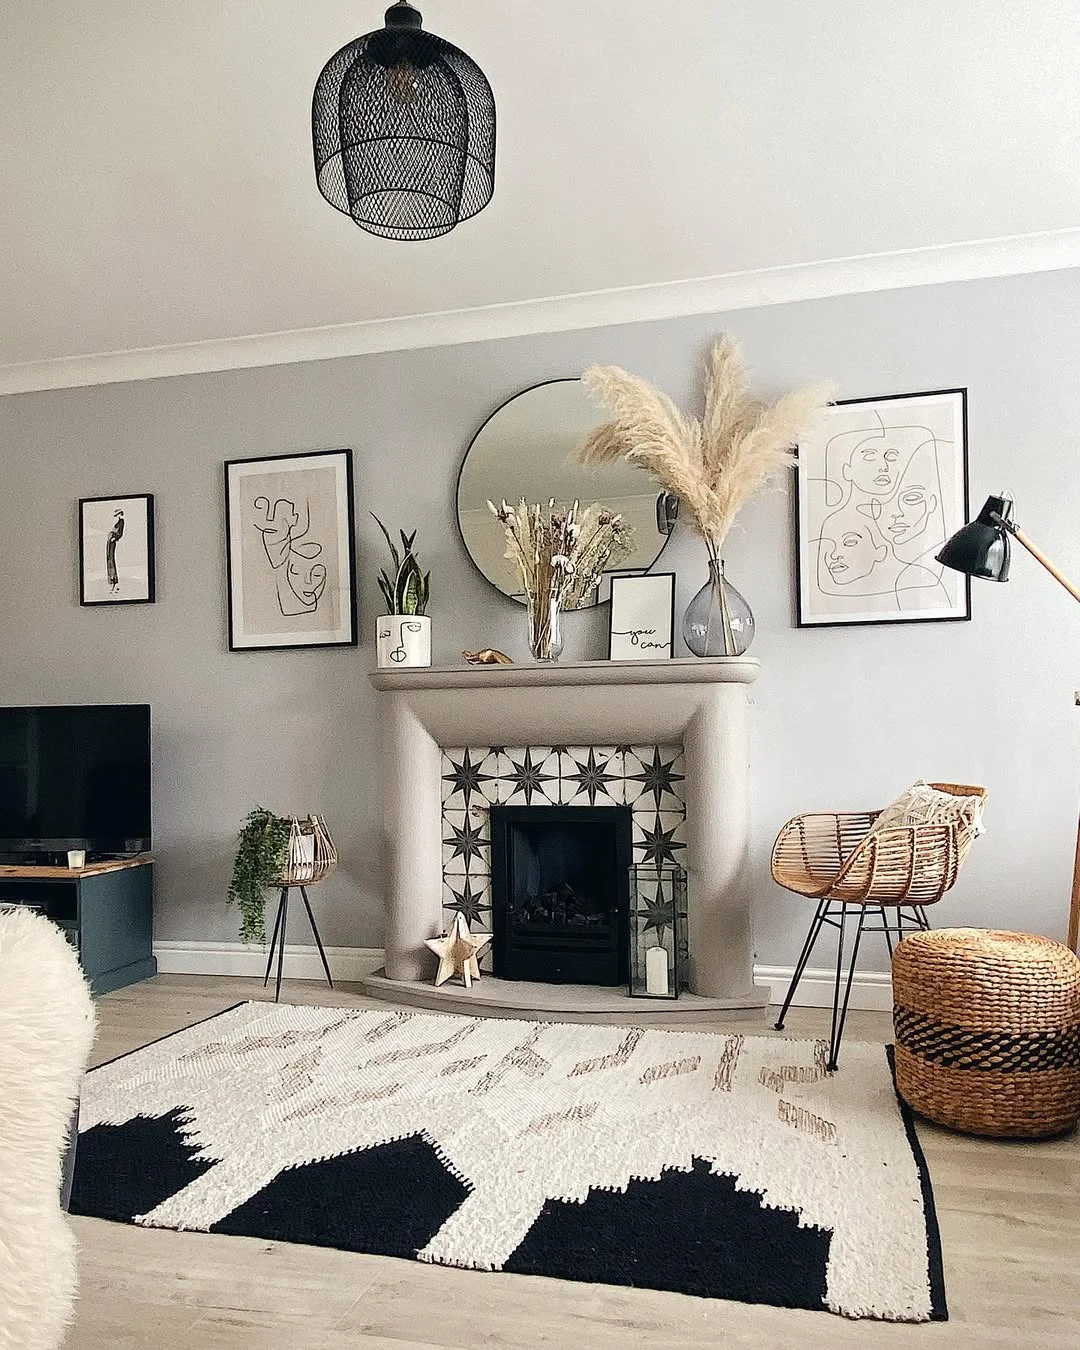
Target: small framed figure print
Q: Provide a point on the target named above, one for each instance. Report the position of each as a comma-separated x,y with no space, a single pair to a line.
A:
291,553
879,488
116,550
642,617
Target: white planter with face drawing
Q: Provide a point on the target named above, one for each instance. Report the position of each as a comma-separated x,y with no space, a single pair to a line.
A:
403,640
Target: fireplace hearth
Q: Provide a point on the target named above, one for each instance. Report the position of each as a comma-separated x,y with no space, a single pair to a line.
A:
560,893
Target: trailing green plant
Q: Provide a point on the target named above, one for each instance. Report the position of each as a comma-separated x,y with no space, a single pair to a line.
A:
261,854
406,586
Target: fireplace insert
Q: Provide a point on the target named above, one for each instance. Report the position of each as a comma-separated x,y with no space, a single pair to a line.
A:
560,884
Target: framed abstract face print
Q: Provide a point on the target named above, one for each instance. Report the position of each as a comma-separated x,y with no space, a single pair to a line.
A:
290,548
879,488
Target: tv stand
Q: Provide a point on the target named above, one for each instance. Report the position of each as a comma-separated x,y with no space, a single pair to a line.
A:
105,908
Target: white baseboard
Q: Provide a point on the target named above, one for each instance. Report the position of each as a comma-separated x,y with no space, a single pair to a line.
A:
871,990
347,964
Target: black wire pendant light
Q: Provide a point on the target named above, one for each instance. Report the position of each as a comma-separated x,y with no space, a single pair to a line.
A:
404,131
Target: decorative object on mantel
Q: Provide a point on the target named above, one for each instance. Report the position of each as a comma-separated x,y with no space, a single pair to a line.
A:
403,126
403,635
714,464
488,657
981,549
641,624
879,487
561,553
458,951
525,449
290,550
116,550
718,1165
657,904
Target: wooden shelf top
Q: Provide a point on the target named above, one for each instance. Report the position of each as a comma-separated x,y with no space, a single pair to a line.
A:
43,873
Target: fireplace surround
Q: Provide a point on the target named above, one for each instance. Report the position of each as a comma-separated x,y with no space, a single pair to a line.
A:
700,704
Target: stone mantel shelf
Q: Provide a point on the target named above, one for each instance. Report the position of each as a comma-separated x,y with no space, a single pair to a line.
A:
559,674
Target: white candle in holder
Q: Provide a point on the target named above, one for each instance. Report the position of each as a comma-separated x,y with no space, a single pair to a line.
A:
656,963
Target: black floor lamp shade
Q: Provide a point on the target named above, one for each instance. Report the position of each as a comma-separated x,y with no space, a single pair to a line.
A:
403,125
981,549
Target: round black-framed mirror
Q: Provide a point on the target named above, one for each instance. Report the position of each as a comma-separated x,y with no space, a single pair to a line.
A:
524,449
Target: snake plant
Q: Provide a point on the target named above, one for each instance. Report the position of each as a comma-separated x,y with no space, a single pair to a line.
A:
405,587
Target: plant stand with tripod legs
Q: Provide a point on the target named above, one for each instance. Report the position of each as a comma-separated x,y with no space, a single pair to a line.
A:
311,858
278,940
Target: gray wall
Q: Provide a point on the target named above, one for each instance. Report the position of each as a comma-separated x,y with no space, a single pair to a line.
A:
843,717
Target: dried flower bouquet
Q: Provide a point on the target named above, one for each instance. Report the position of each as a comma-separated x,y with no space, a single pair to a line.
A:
561,553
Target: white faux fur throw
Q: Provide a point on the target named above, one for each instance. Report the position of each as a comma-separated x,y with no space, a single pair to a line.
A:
46,1030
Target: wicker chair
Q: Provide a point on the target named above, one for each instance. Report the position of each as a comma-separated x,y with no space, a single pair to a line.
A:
890,875
311,857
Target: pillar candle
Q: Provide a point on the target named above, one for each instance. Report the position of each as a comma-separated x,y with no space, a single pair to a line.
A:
656,966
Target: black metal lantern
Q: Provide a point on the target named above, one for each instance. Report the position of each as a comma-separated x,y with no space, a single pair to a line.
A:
657,930
404,130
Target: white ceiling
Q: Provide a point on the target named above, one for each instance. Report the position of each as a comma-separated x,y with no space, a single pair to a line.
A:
155,160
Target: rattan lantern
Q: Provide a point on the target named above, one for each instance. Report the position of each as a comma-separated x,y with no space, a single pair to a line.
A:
403,125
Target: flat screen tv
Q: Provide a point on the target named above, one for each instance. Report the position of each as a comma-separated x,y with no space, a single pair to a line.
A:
75,778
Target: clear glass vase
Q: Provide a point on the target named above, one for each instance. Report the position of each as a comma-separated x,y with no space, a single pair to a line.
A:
718,621
545,628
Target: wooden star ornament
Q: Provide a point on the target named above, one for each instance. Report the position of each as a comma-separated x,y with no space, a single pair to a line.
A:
457,951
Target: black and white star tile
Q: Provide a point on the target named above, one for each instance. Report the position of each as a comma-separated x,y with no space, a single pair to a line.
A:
592,775
659,837
655,772
470,776
469,896
466,840
532,776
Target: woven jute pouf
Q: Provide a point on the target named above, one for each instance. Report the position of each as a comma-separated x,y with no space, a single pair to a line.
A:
987,1031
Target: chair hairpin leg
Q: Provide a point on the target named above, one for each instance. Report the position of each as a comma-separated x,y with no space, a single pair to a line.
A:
840,1008
887,929
281,943
804,956
273,943
318,939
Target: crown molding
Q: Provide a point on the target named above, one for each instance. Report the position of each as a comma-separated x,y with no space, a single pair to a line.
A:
1013,255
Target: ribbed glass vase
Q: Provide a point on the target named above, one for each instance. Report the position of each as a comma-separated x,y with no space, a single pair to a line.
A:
545,628
718,621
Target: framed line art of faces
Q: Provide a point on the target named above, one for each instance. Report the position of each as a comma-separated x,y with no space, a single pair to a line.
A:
116,550
879,488
290,551
642,620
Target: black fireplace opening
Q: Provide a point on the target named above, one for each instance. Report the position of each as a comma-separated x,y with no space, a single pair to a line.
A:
560,890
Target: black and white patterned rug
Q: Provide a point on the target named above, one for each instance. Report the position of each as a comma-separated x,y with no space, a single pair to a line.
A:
717,1165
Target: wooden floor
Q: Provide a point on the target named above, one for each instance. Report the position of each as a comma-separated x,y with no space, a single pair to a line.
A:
1009,1216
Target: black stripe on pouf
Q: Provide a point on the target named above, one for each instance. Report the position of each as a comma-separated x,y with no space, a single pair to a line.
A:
390,1200
1002,1051
125,1170
689,1232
